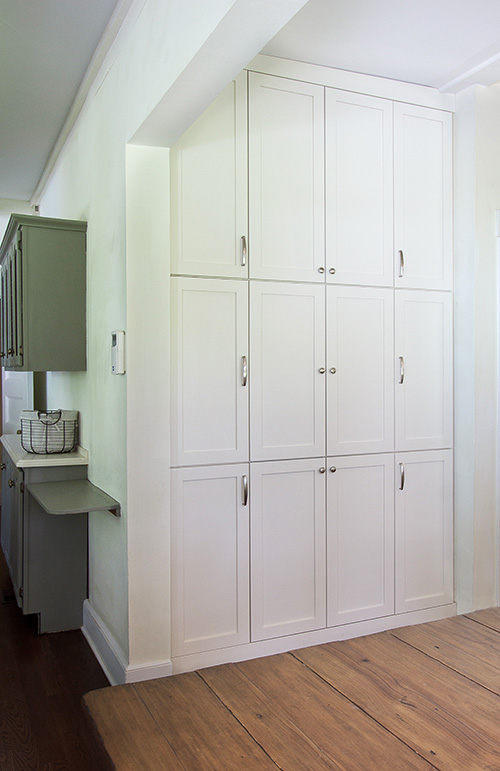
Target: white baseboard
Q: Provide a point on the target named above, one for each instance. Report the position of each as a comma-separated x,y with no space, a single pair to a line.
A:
111,656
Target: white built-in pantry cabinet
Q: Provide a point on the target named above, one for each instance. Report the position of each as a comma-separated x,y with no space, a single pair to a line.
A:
312,363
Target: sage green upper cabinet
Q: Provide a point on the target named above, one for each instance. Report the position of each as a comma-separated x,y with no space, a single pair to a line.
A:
43,283
286,179
359,189
209,190
423,197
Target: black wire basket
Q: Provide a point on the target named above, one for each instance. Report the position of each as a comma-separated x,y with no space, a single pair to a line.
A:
45,433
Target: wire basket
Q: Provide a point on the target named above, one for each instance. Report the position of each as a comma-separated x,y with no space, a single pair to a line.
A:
45,433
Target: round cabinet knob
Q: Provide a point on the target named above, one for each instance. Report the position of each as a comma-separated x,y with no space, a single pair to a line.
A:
333,370
322,470
333,469
11,483
332,271
321,270
321,370
3,466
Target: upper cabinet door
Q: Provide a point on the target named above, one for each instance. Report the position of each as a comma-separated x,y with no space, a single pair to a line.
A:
424,370
423,197
359,189
209,190
209,381
287,372
360,390
286,179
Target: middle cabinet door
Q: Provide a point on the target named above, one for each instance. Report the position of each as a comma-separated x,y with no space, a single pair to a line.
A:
287,371
360,390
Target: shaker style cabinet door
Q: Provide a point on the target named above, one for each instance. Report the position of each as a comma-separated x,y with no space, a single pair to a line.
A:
360,388
287,372
423,197
424,370
360,538
209,190
287,548
210,572
424,529
286,179
359,189
209,371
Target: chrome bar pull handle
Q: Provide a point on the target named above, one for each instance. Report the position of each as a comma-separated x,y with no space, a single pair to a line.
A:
401,370
244,371
243,251
244,489
401,476
401,264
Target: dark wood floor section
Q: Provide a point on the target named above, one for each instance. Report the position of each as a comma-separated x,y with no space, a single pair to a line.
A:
43,725
422,697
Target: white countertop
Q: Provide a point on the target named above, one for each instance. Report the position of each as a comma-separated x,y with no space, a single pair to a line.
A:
23,459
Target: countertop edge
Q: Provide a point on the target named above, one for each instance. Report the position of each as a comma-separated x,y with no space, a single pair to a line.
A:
23,459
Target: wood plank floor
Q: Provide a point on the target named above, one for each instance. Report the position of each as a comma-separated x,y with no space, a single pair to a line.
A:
43,725
422,697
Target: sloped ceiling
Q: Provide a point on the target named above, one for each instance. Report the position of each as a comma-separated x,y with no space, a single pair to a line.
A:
46,47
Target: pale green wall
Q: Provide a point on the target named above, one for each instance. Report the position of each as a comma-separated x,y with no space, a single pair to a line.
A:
88,183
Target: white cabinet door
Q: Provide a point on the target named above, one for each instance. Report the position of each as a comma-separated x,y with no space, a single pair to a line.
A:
360,390
209,391
286,179
359,189
287,548
360,538
424,530
423,197
424,370
209,189
210,570
287,370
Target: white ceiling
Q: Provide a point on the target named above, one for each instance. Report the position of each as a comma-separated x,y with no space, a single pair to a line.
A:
46,47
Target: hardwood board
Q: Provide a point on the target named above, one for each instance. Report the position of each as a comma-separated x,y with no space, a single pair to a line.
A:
449,720
469,648
489,617
201,731
302,722
132,739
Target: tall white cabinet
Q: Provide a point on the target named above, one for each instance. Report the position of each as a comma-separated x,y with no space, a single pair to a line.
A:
312,395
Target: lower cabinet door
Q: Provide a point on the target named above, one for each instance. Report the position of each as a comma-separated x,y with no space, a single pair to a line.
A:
424,529
210,584
287,547
360,538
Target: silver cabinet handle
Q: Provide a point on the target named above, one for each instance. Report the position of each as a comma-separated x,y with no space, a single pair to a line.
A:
332,271
321,270
243,251
333,469
244,489
401,264
401,476
401,370
333,370
244,371
321,370
322,470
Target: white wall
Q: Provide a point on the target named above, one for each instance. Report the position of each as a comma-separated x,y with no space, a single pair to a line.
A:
9,206
477,197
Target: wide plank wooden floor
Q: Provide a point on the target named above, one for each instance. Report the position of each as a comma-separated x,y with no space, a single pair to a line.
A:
43,725
422,697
